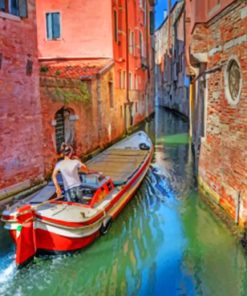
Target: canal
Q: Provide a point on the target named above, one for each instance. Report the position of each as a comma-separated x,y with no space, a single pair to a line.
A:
165,242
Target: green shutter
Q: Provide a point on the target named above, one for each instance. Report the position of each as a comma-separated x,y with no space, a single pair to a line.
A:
23,8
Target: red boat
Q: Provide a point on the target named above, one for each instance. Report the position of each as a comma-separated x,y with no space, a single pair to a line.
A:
48,224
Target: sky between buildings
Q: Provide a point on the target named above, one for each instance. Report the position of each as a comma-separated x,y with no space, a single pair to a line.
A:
159,11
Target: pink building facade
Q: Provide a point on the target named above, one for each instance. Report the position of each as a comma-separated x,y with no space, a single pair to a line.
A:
85,29
80,37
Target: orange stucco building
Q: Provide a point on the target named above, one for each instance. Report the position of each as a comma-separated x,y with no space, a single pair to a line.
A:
108,45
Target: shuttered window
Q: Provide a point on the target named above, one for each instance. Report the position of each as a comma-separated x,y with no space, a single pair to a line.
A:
15,7
53,25
2,5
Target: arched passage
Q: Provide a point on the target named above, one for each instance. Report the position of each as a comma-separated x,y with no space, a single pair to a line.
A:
64,129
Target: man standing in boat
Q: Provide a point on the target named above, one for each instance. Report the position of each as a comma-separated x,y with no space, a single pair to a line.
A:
69,168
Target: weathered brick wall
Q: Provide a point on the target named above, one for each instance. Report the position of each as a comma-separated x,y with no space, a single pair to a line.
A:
200,39
20,117
85,126
96,125
223,159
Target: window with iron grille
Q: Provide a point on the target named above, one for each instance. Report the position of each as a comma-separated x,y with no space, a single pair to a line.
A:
59,129
53,27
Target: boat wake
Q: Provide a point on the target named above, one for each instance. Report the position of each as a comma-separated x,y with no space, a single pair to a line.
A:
7,271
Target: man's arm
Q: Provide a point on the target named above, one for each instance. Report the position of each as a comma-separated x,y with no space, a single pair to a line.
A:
54,179
84,168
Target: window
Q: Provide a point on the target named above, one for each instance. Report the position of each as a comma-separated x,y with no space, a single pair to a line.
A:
141,45
151,17
233,81
124,77
14,7
110,85
64,128
131,42
145,13
115,26
53,25
130,81
136,82
2,5
120,79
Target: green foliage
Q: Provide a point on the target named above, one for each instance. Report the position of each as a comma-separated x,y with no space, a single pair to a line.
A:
58,72
80,94
44,69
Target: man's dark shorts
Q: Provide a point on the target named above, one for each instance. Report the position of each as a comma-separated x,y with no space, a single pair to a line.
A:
73,194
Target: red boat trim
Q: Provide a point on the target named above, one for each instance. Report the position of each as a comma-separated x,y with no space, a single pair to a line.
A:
8,218
71,224
54,242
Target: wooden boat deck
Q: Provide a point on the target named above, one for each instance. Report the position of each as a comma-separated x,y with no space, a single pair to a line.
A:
119,164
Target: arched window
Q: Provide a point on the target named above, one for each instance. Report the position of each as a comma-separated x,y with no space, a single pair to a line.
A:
64,129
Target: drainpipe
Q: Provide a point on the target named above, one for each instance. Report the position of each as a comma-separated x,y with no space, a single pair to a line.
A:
190,71
190,107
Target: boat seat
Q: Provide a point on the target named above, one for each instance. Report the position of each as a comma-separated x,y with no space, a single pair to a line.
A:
44,194
119,164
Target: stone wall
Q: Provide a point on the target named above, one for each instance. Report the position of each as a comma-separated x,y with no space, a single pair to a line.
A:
20,117
223,158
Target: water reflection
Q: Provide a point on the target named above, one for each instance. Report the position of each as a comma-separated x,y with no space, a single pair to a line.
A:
213,257
163,243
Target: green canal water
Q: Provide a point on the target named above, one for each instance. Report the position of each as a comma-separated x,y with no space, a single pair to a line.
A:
165,242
